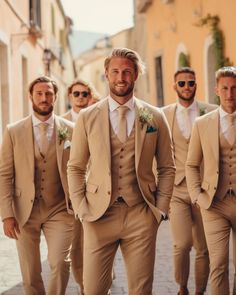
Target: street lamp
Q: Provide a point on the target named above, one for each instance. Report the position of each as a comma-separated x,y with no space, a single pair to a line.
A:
47,57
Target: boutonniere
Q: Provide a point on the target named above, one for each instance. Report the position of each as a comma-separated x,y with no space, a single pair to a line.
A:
145,117
202,111
63,134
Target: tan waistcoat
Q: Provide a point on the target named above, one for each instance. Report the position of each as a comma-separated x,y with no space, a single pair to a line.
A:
47,179
180,152
124,180
227,171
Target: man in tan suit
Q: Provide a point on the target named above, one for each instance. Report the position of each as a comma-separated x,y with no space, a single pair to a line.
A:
80,94
34,189
185,218
213,142
119,202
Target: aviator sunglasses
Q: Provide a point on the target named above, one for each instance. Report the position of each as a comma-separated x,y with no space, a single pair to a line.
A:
83,93
191,83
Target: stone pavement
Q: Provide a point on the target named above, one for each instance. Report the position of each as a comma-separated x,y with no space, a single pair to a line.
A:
10,278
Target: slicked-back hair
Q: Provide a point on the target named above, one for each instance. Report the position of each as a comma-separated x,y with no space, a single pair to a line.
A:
92,91
225,72
43,79
130,54
185,70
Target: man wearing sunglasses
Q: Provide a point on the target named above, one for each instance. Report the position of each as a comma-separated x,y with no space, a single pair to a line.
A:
80,93
185,217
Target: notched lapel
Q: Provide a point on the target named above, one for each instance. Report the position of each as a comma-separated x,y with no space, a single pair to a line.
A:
213,134
28,142
59,145
140,134
104,125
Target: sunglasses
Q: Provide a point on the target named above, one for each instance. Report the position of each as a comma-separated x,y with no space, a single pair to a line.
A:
83,93
191,83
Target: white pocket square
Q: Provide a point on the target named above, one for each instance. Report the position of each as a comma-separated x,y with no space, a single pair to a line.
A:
67,144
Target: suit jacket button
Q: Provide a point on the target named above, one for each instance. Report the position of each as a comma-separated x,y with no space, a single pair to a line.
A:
109,192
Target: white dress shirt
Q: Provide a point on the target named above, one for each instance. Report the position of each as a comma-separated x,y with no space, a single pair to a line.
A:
193,113
113,114
74,115
36,123
224,122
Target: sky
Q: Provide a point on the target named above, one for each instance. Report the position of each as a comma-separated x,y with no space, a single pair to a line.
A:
102,16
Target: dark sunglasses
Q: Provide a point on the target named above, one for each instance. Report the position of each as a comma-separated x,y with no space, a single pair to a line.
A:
83,93
191,83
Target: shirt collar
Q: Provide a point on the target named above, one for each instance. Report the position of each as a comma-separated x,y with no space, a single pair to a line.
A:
49,121
113,105
223,113
192,107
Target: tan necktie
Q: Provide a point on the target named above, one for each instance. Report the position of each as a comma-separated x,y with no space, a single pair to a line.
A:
187,122
231,136
122,123
43,140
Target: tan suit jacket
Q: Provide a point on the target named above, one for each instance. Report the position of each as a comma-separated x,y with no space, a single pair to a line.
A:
170,112
67,116
91,139
17,188
204,145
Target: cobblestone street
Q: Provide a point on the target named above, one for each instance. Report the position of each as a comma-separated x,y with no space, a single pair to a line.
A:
164,284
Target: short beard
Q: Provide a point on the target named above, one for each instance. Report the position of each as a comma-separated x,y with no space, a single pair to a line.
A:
120,93
190,98
42,113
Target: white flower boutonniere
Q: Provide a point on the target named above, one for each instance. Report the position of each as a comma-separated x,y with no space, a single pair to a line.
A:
63,134
202,111
145,117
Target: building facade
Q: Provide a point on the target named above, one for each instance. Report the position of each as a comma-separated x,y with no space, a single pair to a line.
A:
33,42
173,33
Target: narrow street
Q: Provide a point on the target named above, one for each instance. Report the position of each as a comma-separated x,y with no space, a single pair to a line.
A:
164,284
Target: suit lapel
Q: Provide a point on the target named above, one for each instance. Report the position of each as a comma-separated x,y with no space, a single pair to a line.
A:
28,141
140,133
59,146
171,116
213,133
104,128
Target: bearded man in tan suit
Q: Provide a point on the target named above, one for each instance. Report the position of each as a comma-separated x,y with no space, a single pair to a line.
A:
185,218
213,142
119,202
34,189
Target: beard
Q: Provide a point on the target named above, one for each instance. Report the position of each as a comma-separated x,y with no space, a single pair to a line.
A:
189,98
122,92
41,112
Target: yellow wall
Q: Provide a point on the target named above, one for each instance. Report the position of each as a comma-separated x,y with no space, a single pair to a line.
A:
169,25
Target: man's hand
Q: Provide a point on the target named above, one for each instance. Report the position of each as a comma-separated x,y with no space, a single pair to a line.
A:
11,227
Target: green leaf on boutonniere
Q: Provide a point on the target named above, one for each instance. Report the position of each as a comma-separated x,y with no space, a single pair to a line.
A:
202,111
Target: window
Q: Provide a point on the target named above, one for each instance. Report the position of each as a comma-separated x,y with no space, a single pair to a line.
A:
35,16
159,81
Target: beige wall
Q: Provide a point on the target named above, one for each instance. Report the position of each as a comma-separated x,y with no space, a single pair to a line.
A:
21,55
170,29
